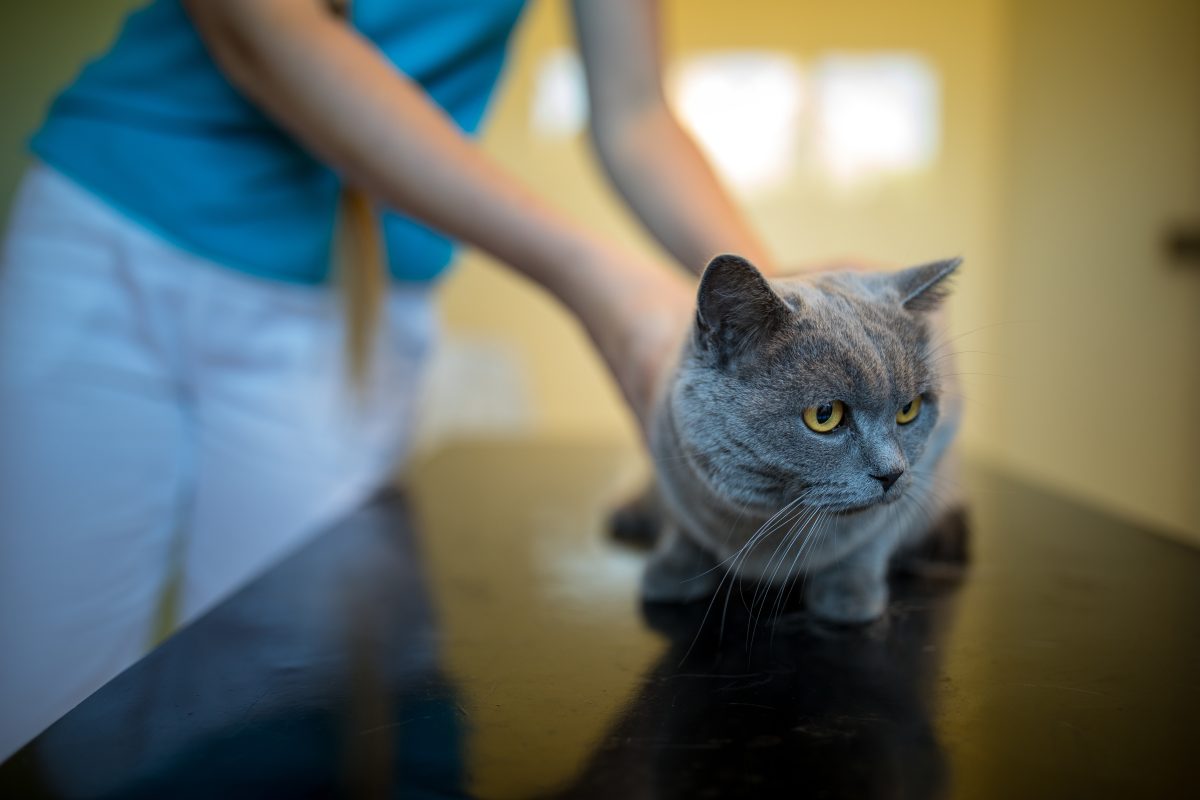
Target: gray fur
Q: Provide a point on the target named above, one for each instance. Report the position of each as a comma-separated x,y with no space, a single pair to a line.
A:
732,449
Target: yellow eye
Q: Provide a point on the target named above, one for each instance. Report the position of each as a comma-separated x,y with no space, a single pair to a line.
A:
825,417
910,411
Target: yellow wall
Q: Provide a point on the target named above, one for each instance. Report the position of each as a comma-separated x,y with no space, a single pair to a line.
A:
41,47
1102,346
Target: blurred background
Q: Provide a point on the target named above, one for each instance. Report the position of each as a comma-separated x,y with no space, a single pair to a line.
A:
1054,144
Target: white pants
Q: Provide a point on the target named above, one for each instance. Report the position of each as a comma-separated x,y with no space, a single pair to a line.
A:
161,415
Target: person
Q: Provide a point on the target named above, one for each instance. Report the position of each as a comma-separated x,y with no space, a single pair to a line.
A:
172,369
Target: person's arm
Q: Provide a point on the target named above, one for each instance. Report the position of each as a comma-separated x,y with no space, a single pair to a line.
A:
332,89
651,160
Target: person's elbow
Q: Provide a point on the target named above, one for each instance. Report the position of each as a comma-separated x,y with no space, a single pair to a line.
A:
622,134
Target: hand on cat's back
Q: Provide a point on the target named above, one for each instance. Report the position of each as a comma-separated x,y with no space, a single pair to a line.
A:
801,427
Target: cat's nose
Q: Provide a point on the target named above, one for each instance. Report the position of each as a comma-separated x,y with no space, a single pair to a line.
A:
887,480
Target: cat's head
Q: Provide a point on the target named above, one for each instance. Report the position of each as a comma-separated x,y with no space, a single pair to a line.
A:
827,387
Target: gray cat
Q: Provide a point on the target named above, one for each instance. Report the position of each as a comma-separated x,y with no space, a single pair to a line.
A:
803,435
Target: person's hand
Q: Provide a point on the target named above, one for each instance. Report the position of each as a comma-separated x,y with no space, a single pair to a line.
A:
637,312
657,329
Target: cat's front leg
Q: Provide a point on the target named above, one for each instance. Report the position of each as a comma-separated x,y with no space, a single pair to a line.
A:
639,521
853,591
678,571
941,553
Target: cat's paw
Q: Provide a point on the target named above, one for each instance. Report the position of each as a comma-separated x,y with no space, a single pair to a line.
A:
638,522
846,597
679,572
941,554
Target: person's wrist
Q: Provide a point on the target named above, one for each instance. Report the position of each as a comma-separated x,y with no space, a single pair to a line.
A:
656,316
634,310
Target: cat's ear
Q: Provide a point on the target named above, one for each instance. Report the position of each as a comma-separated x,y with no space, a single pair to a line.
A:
736,308
923,288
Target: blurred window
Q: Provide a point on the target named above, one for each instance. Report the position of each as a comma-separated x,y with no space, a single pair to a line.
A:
864,116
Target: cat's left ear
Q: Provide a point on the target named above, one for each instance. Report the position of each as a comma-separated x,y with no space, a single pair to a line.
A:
924,288
736,308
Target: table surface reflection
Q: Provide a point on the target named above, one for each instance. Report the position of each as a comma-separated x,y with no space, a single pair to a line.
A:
479,635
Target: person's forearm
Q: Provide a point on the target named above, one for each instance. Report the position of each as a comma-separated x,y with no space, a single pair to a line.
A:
335,92
658,169
652,161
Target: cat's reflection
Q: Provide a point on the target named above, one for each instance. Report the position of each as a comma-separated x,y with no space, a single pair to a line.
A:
783,709
319,680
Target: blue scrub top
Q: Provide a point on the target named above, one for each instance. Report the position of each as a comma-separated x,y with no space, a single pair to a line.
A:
154,129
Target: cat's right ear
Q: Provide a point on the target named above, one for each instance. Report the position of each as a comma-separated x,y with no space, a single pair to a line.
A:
736,308
924,288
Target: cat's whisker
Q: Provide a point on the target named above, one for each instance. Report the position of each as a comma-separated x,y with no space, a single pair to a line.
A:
730,577
804,556
923,507
950,340
788,512
763,587
799,512
800,573
816,532
940,478
986,405
758,536
799,532
798,522
978,374
956,353
818,517
728,536
802,496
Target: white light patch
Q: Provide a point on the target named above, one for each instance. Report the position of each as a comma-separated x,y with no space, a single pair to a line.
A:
560,99
875,115
744,109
